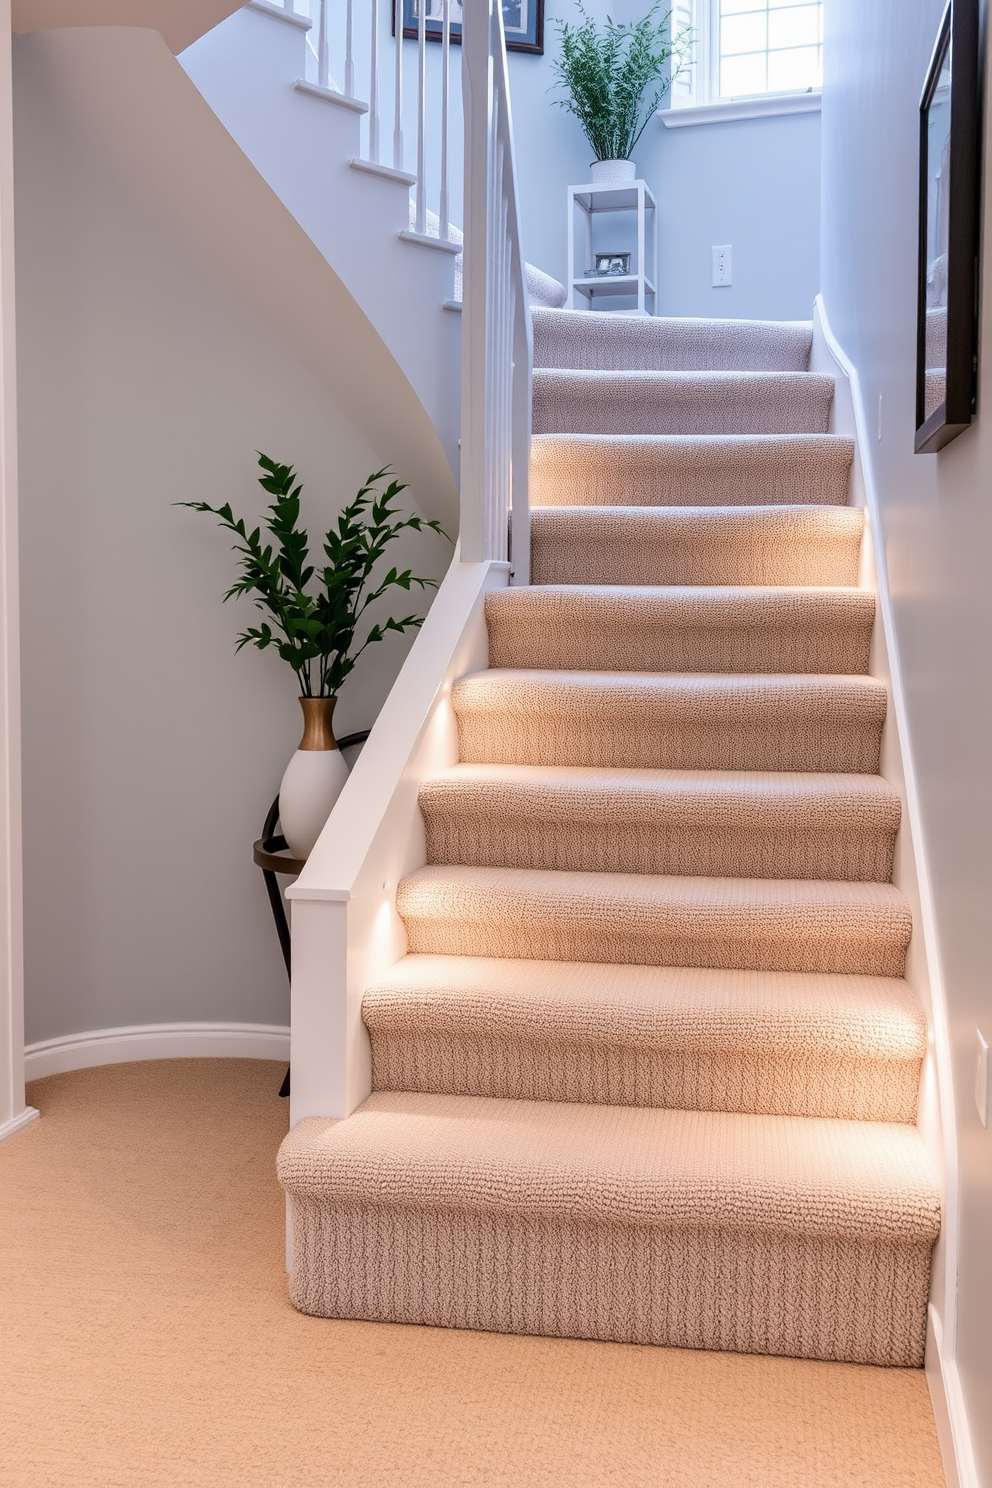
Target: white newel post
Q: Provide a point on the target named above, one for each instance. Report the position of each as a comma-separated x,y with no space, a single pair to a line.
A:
13,1112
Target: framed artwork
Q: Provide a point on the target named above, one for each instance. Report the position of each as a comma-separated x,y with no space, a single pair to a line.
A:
947,291
523,22
613,263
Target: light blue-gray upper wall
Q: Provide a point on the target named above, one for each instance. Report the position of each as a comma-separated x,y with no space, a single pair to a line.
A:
752,183
936,532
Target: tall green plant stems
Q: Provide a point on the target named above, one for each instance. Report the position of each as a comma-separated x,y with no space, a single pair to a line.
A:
315,612
616,75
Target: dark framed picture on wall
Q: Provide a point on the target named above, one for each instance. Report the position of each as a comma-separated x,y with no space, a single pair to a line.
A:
523,22
947,291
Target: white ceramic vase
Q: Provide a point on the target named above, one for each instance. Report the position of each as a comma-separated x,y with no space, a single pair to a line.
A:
605,172
314,778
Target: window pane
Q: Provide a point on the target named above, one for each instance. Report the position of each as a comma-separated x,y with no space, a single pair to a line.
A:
745,33
794,70
736,7
798,26
743,75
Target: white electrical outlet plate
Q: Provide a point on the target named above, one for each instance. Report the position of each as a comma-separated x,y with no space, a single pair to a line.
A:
723,267
982,1078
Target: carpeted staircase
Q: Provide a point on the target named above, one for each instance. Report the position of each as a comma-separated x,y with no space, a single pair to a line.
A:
649,1071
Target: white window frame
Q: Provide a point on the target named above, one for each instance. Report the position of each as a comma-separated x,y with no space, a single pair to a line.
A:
693,98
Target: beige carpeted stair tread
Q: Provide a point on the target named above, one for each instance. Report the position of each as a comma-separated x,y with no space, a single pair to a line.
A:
681,629
696,545
685,1038
689,470
676,722
723,824
681,402
617,343
656,920
766,1234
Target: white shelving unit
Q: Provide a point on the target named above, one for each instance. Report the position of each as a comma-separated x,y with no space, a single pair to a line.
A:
588,202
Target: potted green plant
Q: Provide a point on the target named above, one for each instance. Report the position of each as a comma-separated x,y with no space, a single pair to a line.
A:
614,77
314,617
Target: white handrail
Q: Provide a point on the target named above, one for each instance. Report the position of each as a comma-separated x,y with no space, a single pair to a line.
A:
345,926
496,334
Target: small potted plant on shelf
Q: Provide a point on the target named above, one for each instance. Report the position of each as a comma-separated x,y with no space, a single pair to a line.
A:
614,77
314,617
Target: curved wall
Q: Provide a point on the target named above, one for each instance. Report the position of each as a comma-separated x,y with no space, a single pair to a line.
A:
164,335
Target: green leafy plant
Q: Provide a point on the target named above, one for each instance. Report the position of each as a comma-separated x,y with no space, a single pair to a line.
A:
615,76
315,610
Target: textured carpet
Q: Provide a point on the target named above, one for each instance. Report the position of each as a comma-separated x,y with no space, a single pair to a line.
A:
148,1341
679,470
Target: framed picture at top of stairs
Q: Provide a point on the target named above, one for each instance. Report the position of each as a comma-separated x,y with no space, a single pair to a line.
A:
523,22
610,223
948,284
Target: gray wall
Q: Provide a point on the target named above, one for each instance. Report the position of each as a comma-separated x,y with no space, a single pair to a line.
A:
753,183
937,529
151,751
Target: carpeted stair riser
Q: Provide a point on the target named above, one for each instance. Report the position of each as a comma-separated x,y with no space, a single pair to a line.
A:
690,470
638,721
681,1038
760,1234
618,343
681,403
700,824
761,545
611,629
648,920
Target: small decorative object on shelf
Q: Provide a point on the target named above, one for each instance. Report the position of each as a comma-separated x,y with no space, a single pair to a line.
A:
612,263
614,77
314,613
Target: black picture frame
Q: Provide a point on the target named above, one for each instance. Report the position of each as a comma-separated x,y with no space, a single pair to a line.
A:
523,23
949,213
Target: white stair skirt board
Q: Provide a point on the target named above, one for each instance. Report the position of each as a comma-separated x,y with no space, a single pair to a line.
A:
279,13
386,172
155,1041
442,245
332,95
18,1123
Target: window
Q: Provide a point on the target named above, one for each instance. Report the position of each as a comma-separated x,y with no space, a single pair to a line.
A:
748,49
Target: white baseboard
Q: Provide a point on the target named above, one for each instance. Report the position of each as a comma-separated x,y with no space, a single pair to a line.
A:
950,1416
17,1123
155,1041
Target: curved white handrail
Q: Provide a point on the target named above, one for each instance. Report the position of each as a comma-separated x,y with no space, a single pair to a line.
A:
344,923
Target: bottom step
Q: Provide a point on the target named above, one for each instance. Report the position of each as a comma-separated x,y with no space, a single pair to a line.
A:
757,1234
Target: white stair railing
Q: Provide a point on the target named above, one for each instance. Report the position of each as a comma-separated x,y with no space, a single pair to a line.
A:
496,346
345,926
496,333
348,52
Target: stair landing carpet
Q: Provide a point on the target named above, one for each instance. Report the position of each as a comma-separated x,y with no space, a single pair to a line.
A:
650,1068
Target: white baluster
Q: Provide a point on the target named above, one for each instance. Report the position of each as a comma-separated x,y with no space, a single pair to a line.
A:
421,218
443,208
349,47
374,86
398,89
323,46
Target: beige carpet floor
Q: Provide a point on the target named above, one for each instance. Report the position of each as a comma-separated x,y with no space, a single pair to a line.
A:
147,1341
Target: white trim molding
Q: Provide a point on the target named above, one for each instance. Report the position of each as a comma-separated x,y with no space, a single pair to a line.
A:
18,1123
155,1041
281,13
953,1430
767,107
